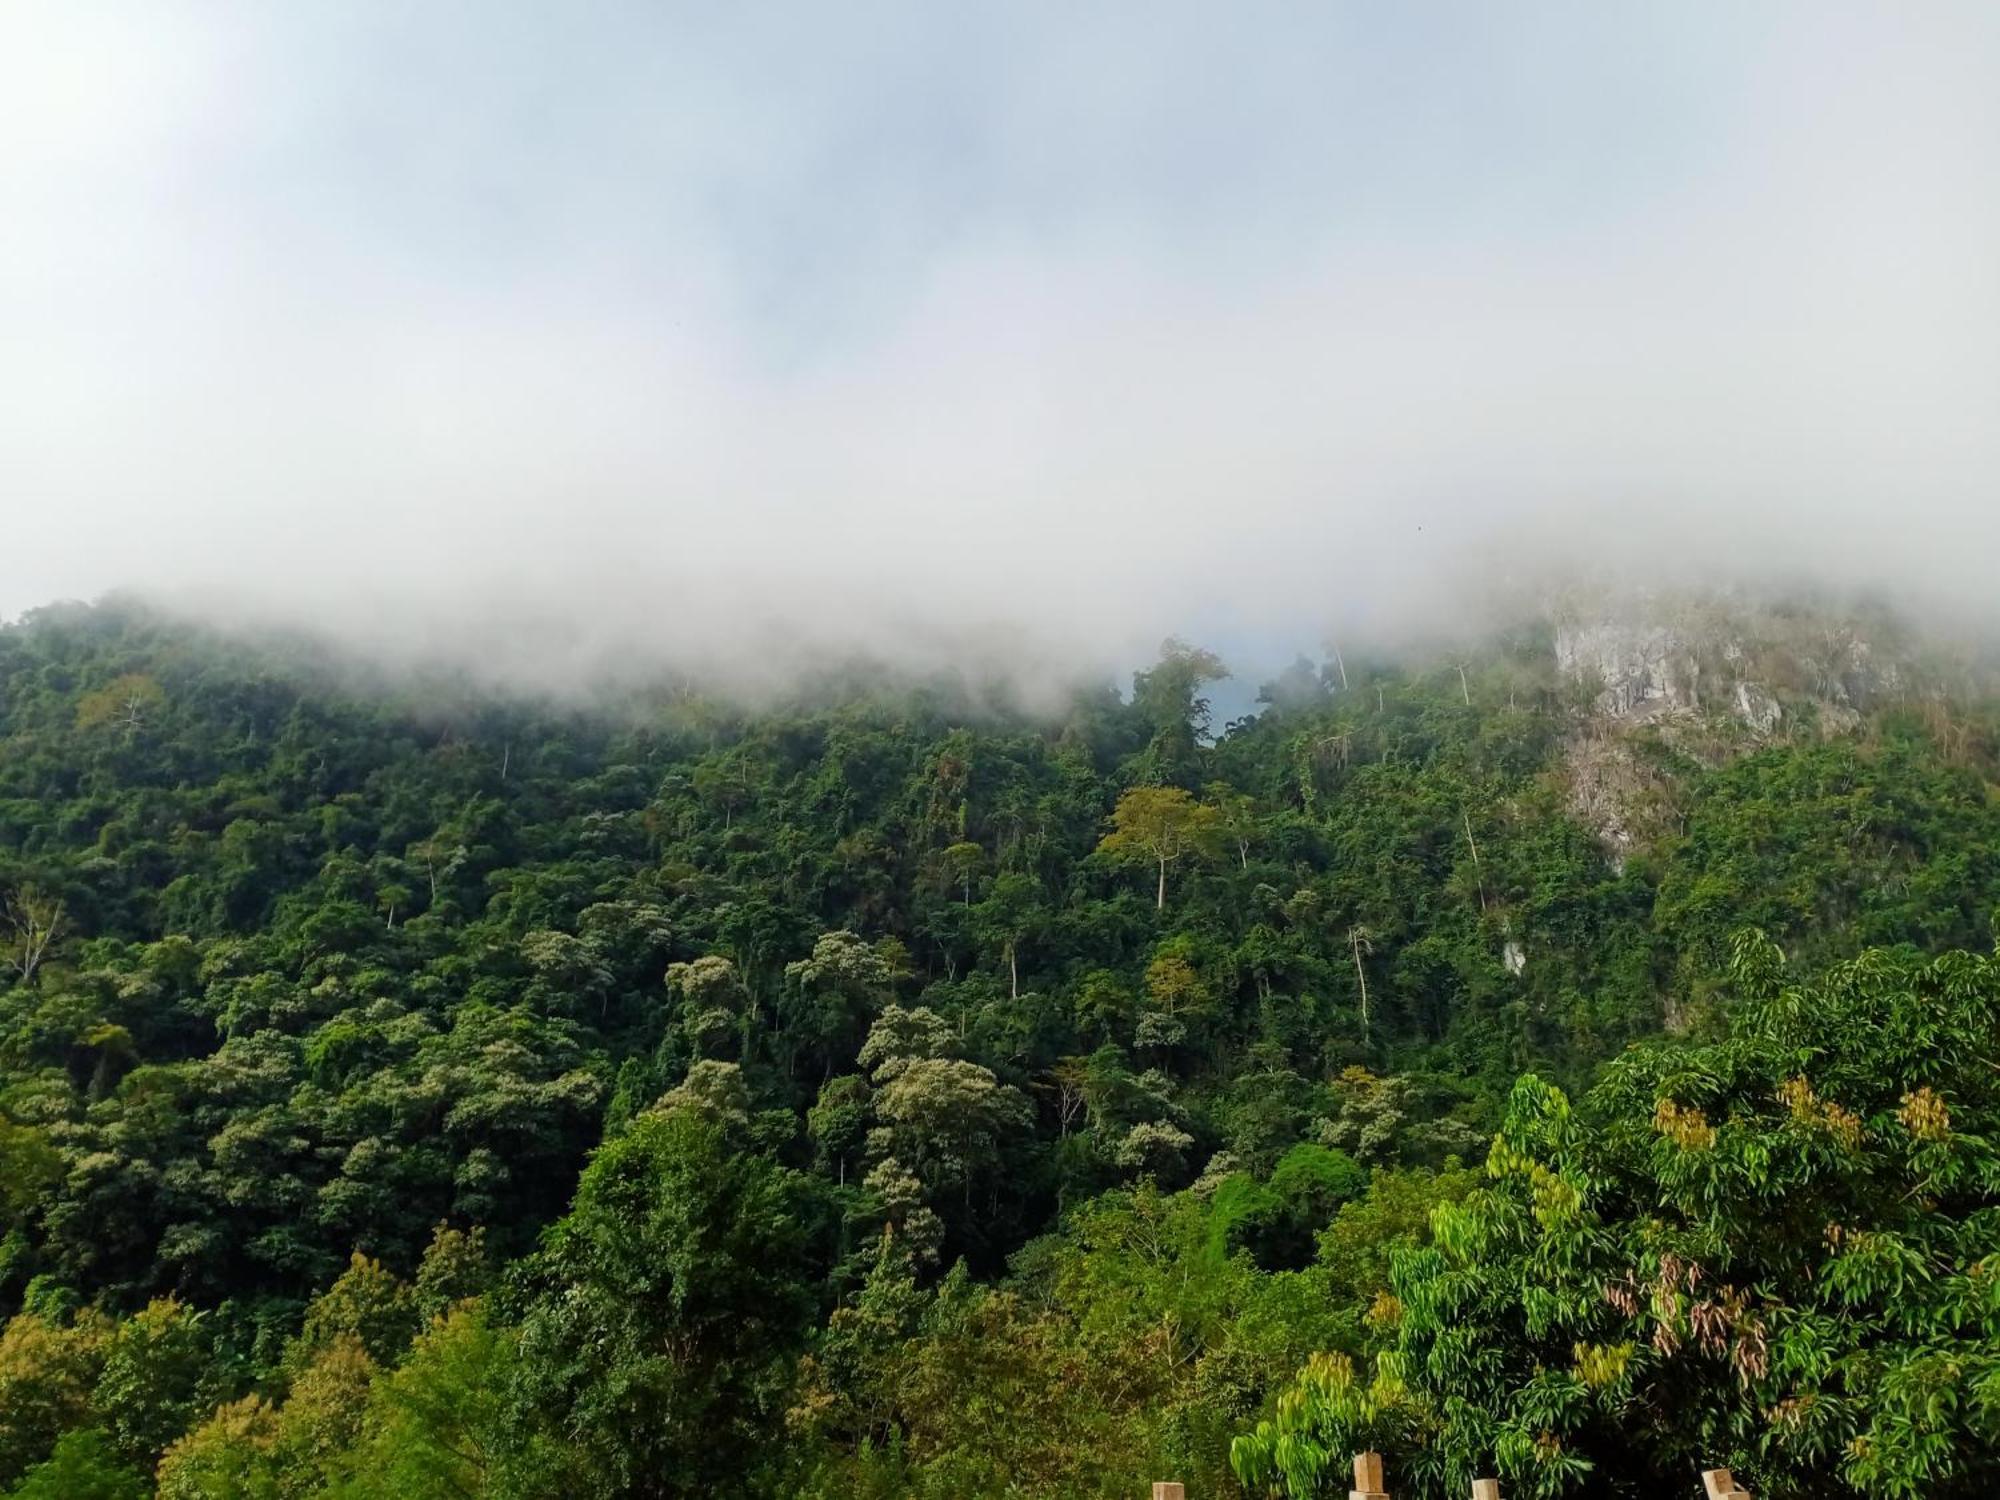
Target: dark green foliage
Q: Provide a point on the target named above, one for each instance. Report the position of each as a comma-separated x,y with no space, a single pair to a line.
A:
659,1316
1276,1222
664,1078
1838,844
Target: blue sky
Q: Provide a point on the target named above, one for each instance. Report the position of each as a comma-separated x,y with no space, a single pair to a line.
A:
894,323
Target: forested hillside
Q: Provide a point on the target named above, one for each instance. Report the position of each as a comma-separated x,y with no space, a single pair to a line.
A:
412,1089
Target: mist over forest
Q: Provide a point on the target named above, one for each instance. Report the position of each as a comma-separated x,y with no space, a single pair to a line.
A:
898,329
906,751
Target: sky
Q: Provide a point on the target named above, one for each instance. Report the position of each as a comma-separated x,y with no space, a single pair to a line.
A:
532,331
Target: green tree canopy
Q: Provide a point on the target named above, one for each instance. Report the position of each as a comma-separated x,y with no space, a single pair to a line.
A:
1775,1253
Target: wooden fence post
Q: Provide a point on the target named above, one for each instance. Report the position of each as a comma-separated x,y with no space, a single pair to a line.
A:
1485,1489
1721,1485
1169,1489
1368,1477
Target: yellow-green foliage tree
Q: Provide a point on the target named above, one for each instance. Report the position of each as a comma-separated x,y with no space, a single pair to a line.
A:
1161,826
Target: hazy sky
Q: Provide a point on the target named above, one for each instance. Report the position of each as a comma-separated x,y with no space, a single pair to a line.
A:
672,322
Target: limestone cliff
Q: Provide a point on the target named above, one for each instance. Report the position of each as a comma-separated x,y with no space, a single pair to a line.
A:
1707,680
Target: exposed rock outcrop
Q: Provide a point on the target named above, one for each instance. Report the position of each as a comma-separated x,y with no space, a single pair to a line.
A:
1644,671
1709,680
1757,709
1639,670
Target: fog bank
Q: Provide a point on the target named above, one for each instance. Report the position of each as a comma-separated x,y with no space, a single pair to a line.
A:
541,334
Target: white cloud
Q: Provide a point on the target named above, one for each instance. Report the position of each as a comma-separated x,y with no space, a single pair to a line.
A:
878,324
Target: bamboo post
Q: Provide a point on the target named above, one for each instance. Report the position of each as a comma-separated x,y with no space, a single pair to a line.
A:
1169,1489
1721,1485
1485,1489
1368,1477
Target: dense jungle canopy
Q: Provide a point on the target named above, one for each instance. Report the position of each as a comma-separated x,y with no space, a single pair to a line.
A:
410,1088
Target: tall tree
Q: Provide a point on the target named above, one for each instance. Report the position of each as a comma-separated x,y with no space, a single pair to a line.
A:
1161,825
1169,698
666,1303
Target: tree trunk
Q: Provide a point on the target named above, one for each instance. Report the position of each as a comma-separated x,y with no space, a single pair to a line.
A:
35,924
1478,870
1361,977
1013,974
1160,900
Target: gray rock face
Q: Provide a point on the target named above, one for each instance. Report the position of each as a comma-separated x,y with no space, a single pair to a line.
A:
1641,670
1645,671
1757,708
1682,669
1607,786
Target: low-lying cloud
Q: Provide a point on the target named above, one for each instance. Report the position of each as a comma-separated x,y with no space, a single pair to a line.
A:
685,331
